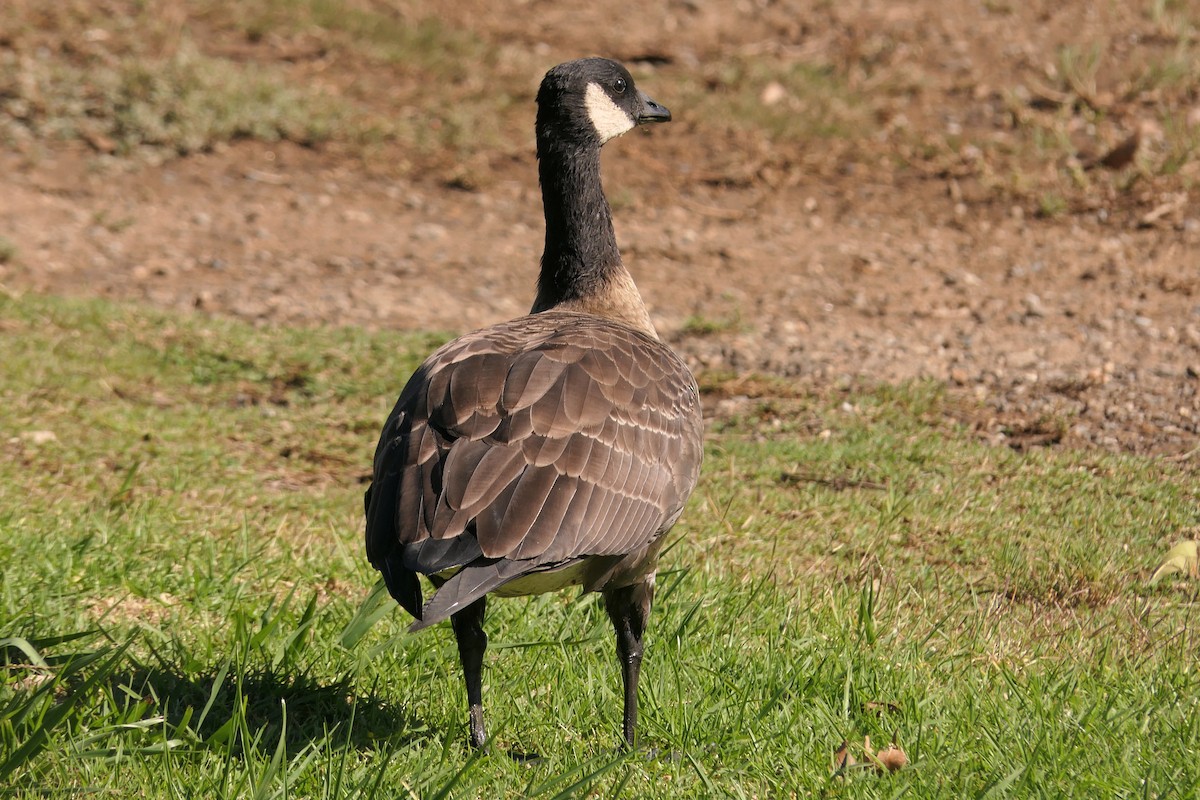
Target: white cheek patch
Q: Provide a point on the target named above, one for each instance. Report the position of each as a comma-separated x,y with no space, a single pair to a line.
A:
607,117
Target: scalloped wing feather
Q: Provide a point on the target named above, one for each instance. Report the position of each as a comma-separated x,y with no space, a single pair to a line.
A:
528,446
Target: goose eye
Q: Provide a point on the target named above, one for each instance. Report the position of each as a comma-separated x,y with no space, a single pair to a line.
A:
619,86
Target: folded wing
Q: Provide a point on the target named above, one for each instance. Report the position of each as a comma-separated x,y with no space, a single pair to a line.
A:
526,447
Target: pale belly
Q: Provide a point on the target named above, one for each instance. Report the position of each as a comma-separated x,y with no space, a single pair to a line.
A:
540,582
597,572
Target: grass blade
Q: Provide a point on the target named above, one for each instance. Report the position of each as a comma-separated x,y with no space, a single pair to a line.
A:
59,713
375,607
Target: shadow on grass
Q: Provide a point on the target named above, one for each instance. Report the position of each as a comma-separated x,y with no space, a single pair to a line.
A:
226,711
97,695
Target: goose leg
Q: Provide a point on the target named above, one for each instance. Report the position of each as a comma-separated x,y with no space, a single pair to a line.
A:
472,643
629,607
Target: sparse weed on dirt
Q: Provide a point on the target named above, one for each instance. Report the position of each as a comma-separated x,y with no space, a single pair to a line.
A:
793,101
402,86
146,80
425,44
182,104
179,528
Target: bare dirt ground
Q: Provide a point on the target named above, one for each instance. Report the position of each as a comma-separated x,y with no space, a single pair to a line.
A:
941,243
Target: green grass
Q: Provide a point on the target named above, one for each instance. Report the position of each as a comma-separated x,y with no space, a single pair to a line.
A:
1051,205
703,325
180,502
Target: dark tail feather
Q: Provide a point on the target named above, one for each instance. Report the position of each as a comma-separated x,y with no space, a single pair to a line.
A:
403,585
467,586
431,556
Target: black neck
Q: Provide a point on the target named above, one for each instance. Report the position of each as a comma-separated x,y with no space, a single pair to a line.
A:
581,246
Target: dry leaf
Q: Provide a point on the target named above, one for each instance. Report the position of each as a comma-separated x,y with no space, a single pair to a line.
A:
842,758
1120,156
887,760
890,758
34,681
1151,218
879,707
99,142
1180,558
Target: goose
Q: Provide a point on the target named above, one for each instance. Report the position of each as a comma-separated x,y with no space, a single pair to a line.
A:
553,450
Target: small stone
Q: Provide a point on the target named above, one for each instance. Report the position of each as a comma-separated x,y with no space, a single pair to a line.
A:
429,231
730,407
1022,359
773,93
356,215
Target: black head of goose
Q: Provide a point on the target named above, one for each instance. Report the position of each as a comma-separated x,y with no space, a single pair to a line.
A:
555,449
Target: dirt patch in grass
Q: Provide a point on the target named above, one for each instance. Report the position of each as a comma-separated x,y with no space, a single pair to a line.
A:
1000,197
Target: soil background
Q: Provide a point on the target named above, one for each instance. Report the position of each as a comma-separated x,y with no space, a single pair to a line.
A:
1053,287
